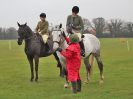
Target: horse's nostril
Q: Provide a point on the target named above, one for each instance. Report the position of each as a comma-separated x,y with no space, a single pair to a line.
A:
19,43
53,50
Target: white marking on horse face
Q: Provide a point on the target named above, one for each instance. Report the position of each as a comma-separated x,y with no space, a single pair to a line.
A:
56,38
55,46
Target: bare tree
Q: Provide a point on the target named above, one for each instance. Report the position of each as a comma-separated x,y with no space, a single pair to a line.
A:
2,33
130,28
87,25
115,26
11,33
99,24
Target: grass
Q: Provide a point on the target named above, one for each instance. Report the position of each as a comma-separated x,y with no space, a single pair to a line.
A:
15,75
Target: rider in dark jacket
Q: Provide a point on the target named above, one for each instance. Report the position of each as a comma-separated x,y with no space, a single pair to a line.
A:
75,24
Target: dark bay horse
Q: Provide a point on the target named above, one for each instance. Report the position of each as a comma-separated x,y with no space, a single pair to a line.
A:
34,47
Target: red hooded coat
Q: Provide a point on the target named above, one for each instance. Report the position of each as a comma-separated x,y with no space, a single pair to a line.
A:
73,60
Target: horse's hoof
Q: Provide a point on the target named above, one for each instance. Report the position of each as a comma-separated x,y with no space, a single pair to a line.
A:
66,85
31,80
86,82
36,80
102,77
101,82
61,75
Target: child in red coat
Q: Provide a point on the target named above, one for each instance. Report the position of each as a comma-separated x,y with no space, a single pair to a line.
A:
73,61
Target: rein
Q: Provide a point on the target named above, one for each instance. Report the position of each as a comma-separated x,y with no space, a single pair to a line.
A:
30,37
59,42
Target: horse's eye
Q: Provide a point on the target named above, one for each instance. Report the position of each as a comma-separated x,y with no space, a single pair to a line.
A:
59,35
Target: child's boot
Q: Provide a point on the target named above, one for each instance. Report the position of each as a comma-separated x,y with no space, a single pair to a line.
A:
74,89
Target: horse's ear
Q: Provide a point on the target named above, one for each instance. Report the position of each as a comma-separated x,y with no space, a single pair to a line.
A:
18,24
60,26
25,24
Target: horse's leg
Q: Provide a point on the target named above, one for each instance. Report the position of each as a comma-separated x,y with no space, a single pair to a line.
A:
30,59
58,63
64,72
100,65
92,63
88,67
63,69
61,72
66,85
36,57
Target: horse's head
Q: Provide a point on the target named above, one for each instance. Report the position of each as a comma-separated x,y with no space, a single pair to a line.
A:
24,32
57,37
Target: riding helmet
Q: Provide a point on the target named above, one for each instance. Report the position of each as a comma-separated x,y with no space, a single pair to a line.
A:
43,15
75,9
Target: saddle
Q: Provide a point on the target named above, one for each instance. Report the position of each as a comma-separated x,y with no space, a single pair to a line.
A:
48,45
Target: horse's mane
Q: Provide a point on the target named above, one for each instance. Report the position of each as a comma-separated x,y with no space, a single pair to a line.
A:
29,29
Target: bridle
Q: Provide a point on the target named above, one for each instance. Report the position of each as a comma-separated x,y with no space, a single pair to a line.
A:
26,38
59,42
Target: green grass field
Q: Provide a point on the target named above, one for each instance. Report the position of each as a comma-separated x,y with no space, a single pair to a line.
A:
15,75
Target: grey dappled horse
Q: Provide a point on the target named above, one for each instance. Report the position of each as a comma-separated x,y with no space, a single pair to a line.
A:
92,47
34,47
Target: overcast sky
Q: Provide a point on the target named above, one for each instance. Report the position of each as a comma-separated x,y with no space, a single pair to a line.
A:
57,11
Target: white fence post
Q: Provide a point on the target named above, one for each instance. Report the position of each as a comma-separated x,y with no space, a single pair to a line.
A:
10,44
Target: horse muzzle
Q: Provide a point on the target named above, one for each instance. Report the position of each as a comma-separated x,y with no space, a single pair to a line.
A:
55,46
19,42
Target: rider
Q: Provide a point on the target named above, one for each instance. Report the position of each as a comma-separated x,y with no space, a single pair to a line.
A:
75,25
42,29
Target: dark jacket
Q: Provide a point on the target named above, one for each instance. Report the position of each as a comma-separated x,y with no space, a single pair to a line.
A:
75,22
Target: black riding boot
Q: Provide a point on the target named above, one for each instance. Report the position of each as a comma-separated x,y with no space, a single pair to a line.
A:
62,73
57,59
74,89
82,48
78,85
48,49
